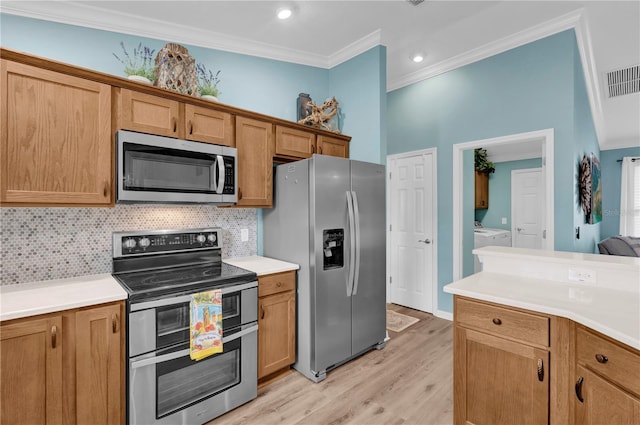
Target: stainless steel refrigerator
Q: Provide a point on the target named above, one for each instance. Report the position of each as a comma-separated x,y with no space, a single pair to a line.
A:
329,217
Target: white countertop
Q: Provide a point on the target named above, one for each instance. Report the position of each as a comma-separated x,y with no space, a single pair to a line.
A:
261,265
29,299
612,312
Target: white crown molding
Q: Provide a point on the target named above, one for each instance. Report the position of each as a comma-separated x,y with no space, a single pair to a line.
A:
585,48
518,39
354,49
71,13
620,144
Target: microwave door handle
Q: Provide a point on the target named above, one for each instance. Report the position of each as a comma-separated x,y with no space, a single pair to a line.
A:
220,165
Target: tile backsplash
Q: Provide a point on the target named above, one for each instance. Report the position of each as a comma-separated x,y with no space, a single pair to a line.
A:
53,243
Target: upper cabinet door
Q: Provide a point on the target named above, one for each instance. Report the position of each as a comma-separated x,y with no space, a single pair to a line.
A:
209,126
56,138
333,146
294,143
254,141
150,114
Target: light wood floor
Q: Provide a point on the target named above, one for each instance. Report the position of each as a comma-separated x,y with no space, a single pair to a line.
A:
410,381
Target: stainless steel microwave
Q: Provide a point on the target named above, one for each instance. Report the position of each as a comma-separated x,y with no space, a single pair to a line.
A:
161,169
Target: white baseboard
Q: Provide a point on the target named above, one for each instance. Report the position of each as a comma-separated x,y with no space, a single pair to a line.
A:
444,315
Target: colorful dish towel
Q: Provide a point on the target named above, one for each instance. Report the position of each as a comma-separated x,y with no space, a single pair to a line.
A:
206,324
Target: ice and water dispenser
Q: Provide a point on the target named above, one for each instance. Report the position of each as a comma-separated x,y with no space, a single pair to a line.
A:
333,247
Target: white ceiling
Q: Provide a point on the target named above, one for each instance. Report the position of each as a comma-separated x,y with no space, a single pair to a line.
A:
324,33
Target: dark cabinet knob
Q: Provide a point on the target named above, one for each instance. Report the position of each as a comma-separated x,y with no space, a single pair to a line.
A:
497,321
601,358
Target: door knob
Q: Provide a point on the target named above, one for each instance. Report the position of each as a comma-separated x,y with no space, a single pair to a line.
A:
426,241
519,229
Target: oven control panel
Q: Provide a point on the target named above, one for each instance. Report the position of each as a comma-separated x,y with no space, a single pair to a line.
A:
164,241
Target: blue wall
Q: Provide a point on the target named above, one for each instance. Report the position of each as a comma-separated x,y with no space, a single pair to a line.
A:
524,89
611,174
585,143
500,193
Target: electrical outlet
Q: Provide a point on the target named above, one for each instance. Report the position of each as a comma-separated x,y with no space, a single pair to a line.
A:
504,220
582,275
244,235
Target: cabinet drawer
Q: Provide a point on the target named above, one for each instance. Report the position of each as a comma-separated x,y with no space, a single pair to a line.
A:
609,359
526,327
277,282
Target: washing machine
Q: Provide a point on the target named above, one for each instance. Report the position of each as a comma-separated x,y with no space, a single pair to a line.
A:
484,236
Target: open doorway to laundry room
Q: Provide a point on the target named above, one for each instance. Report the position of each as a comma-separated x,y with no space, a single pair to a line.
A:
535,147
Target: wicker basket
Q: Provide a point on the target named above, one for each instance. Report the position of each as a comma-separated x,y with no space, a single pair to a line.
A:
176,70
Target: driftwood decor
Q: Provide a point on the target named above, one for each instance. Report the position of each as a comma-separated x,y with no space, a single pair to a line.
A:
321,115
176,70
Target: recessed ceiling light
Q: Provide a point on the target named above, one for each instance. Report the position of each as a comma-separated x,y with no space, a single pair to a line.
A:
417,58
284,13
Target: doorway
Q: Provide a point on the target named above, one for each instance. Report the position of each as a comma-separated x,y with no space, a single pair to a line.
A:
546,142
412,243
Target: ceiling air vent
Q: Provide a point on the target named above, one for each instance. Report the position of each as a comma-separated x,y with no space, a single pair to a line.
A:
624,81
415,2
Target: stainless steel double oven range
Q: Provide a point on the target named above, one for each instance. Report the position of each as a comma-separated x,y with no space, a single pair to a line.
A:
160,270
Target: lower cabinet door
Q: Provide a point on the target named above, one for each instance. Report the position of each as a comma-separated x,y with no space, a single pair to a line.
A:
276,332
498,381
31,371
599,402
99,365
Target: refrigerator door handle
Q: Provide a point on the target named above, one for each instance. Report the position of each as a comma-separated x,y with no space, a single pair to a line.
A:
352,243
357,237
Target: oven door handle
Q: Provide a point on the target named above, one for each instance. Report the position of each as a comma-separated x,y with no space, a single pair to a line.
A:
185,352
186,298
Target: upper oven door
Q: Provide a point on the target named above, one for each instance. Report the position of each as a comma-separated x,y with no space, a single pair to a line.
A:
161,169
165,322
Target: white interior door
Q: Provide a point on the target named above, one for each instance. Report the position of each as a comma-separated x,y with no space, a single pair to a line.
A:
527,208
412,231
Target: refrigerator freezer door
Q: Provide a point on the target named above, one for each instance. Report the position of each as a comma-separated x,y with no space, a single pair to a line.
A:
329,184
369,302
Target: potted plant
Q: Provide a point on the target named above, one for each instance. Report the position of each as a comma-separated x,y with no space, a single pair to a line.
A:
138,66
208,83
482,163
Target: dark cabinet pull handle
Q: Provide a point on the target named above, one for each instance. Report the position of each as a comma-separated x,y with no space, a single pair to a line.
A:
239,194
279,284
175,124
540,370
261,312
105,189
601,358
319,149
114,323
579,389
497,321
54,336
190,127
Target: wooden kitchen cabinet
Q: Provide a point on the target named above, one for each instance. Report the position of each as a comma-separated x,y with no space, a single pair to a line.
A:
151,114
66,367
607,388
501,365
294,144
276,324
255,144
332,146
31,371
99,366
56,146
481,191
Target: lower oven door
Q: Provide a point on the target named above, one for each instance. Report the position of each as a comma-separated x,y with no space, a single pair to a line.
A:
167,387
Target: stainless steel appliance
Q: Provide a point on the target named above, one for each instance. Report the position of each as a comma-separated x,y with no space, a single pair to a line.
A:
160,270
329,217
161,169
